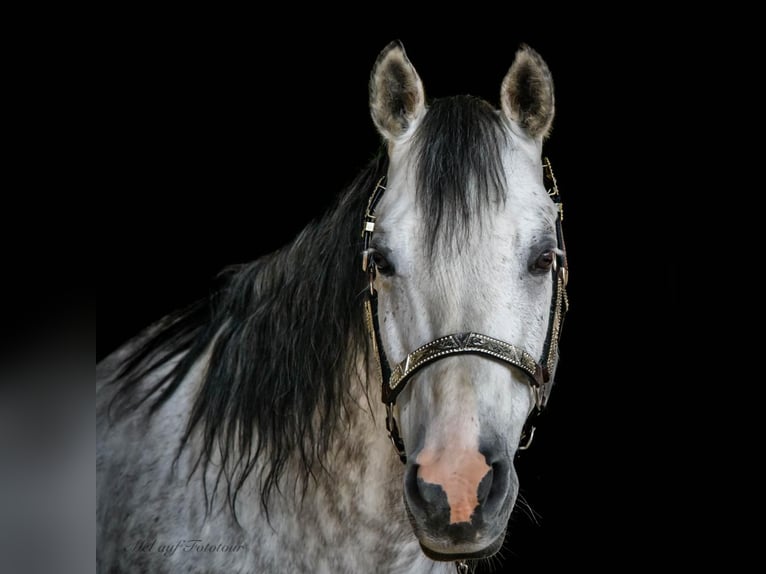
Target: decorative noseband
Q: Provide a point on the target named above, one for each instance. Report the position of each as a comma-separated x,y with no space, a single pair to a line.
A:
460,343
539,374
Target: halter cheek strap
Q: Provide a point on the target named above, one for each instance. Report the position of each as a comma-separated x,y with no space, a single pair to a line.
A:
539,374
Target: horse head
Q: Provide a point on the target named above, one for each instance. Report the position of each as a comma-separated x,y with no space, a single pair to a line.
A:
460,249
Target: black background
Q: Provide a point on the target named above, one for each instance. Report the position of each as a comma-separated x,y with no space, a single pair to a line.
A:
227,143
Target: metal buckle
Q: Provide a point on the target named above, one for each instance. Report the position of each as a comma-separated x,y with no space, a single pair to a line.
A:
530,438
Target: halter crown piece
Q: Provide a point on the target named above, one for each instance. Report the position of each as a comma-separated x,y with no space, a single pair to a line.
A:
539,374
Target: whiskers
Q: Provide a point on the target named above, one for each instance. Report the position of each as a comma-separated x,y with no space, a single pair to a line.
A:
523,506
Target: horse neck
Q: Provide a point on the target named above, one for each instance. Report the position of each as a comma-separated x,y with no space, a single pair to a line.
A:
361,451
352,508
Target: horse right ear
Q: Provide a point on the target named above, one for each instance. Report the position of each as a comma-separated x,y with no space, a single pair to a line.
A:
397,100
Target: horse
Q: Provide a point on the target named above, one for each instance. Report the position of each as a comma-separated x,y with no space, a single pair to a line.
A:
243,433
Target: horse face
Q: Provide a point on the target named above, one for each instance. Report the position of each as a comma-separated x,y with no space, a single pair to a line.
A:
463,242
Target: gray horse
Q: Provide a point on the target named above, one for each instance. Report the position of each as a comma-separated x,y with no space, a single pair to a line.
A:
245,433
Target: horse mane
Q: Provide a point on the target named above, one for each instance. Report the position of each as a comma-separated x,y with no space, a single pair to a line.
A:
459,146
283,331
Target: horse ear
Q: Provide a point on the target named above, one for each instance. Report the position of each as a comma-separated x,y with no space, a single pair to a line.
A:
526,95
397,99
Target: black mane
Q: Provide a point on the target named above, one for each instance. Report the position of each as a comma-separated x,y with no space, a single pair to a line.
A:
459,166
281,329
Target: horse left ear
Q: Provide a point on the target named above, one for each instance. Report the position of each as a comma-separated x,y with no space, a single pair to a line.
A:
526,95
397,99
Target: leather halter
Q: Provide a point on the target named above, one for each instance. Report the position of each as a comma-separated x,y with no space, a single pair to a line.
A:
539,374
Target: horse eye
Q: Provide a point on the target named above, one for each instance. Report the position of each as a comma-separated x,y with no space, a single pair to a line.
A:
545,261
381,263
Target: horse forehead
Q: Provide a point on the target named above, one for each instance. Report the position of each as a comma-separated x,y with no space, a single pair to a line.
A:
522,170
401,218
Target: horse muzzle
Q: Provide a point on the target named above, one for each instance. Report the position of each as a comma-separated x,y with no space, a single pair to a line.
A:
459,502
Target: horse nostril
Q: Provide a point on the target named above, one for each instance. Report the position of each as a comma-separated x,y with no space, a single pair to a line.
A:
485,486
496,482
432,495
421,492
425,497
